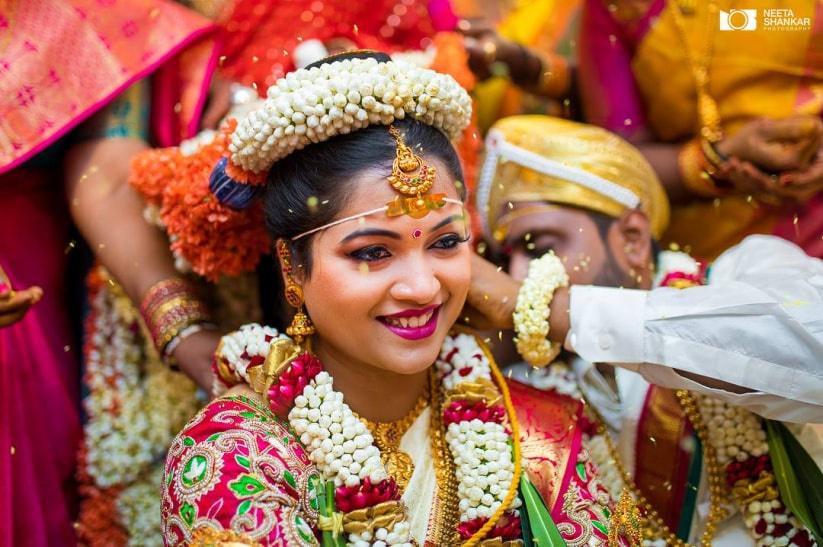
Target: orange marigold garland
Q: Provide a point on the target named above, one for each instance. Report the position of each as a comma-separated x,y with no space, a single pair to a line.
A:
215,239
98,523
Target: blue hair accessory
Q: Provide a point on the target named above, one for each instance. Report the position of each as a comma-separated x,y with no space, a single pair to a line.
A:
229,192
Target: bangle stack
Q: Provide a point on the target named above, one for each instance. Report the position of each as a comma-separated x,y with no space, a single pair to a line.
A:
172,313
531,315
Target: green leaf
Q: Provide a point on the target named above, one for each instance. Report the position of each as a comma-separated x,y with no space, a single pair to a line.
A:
543,530
799,479
243,508
242,461
213,438
246,486
600,526
188,441
525,525
188,513
289,478
325,496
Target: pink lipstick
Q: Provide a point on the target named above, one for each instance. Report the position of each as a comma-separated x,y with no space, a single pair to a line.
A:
412,324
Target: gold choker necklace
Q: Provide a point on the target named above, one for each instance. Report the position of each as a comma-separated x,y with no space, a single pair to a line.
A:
387,437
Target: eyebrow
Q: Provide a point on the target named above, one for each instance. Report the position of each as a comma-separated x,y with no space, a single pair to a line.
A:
366,232
370,232
447,221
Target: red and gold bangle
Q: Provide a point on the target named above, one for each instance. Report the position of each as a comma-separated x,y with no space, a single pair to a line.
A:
172,312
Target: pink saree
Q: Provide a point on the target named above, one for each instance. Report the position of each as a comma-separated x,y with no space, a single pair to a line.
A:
60,62
39,384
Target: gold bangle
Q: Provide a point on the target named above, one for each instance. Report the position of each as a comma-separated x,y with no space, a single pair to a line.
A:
171,312
711,154
694,172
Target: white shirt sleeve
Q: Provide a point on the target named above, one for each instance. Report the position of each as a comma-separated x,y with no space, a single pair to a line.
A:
758,325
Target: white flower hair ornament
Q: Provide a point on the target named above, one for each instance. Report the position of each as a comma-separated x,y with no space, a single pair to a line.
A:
335,96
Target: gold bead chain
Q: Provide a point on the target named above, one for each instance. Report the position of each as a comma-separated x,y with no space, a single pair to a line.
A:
654,526
443,528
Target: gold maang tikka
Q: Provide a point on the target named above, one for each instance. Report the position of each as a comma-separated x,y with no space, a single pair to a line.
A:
301,326
411,176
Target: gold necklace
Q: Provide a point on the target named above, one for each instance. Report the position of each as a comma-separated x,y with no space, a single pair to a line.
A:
387,437
653,526
711,128
443,522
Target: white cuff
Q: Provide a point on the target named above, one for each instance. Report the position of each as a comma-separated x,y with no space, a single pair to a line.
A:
607,324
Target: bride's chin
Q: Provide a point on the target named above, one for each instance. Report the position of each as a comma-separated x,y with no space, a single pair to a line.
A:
410,361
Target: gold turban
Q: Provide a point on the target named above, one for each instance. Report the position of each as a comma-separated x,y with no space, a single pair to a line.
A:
540,158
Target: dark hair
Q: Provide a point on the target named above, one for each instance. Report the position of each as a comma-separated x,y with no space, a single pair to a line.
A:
308,188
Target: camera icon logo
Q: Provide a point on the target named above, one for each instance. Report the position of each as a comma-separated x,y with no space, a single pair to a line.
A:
738,19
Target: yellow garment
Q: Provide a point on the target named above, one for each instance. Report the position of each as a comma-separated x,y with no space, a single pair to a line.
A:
536,24
585,147
757,73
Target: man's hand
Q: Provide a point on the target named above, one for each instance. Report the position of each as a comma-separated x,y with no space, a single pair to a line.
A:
15,304
492,296
492,299
486,48
194,355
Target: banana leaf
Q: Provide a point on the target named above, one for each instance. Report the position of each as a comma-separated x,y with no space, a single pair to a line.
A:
544,532
325,501
798,477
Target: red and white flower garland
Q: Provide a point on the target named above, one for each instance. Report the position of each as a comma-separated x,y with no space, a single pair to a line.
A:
134,407
342,448
478,440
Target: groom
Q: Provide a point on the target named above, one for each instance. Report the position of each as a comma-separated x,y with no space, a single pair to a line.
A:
743,342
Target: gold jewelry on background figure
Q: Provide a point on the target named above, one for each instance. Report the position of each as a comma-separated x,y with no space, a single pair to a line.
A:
301,326
387,437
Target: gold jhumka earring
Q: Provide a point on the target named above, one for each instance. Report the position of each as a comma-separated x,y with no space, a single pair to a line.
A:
301,327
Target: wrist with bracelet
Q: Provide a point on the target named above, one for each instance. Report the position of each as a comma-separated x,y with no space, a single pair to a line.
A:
701,165
532,311
172,313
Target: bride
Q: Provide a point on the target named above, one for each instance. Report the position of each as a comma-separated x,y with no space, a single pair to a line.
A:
374,422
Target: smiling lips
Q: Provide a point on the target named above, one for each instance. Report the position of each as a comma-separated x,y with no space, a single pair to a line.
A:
412,324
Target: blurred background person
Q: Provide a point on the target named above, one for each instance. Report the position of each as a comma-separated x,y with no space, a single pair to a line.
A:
62,64
728,118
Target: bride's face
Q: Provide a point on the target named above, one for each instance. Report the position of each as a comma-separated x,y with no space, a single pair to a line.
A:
383,292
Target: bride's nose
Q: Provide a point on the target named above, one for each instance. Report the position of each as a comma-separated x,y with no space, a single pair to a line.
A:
417,282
